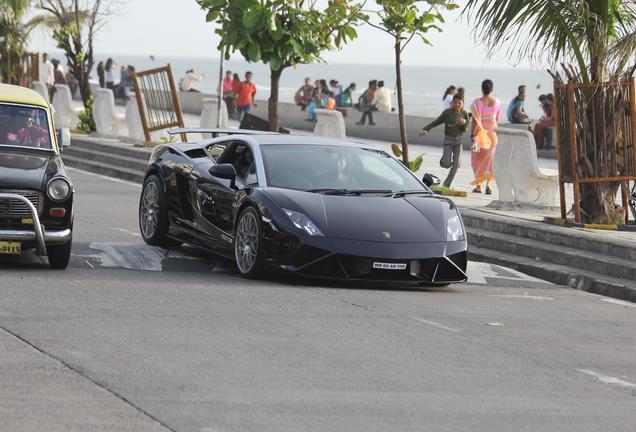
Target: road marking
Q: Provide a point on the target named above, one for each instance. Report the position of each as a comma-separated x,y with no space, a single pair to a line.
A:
434,324
89,264
607,379
522,296
619,302
113,179
479,273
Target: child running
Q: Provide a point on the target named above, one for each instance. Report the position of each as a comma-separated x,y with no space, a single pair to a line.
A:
455,121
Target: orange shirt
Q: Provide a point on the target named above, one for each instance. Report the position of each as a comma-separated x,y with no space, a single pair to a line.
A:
246,93
331,103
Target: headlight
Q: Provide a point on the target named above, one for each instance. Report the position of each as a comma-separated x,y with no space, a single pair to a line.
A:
58,189
454,228
303,222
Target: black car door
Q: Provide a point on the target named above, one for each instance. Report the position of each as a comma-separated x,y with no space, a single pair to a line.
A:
217,198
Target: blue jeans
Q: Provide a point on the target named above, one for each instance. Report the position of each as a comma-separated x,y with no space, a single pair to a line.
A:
241,110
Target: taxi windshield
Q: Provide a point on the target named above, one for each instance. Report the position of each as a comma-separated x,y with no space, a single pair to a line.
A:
24,127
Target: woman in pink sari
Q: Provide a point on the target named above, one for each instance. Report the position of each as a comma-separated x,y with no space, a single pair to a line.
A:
486,114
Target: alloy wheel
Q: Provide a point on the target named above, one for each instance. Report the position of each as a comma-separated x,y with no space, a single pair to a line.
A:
149,210
246,242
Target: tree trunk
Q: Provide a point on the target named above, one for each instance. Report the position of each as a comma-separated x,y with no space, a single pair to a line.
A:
401,116
272,108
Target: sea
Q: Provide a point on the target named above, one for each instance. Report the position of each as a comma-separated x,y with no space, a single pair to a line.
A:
423,86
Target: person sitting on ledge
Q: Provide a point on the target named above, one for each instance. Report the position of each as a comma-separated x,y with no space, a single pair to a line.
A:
516,112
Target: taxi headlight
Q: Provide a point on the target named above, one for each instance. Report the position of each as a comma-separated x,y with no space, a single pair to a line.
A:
304,223
454,228
58,189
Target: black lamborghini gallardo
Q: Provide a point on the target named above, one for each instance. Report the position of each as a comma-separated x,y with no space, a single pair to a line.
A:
318,207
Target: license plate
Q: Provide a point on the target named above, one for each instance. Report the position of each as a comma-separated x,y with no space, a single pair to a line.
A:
389,266
10,248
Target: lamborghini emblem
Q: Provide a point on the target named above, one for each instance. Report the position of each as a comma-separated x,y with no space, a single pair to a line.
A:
387,235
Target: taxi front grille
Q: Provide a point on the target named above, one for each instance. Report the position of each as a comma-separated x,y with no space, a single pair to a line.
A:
13,208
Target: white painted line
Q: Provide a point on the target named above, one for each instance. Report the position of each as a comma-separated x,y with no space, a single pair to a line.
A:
607,379
522,296
619,302
113,179
435,324
89,264
125,231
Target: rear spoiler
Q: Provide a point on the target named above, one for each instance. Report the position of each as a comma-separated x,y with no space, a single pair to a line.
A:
215,132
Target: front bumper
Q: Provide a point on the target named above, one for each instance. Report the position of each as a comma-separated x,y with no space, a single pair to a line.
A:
39,235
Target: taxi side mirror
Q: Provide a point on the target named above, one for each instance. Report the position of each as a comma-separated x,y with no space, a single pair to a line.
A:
64,138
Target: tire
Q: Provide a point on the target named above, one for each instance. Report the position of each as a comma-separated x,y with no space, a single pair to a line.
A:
59,255
248,251
153,213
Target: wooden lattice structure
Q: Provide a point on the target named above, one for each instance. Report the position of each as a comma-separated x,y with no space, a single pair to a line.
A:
158,100
30,68
596,128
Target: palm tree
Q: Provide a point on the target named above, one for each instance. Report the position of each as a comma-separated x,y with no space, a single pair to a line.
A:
594,41
14,36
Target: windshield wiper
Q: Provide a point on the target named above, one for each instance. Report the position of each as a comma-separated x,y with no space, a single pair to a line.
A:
349,191
400,194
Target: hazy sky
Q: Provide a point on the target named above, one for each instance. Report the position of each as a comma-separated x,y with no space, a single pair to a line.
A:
178,28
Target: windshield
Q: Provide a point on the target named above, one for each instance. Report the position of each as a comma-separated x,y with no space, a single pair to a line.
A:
322,168
24,127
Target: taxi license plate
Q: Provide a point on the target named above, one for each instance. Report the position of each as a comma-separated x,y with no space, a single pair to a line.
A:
10,248
389,266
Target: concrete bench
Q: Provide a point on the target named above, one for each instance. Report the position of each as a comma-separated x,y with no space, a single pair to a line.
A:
107,121
209,115
519,178
65,114
330,124
41,89
133,119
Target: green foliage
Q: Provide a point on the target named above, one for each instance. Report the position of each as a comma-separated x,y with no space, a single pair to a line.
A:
412,17
282,33
14,36
86,120
599,36
168,139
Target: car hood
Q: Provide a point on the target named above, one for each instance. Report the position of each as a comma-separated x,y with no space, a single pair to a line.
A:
408,219
25,169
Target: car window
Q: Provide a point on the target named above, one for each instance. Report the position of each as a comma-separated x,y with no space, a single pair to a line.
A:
252,177
216,150
24,127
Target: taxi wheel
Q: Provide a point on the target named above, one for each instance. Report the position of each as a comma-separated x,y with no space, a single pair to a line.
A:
59,255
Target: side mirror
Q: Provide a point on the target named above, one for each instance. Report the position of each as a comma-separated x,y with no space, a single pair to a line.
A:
223,171
63,138
431,180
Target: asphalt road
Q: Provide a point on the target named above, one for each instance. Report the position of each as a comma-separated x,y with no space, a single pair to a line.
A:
134,338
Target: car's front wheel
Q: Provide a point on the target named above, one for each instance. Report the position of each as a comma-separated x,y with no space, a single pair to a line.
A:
153,213
59,255
247,244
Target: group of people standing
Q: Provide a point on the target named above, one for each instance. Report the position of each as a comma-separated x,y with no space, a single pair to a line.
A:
106,73
375,98
317,94
485,114
238,95
52,72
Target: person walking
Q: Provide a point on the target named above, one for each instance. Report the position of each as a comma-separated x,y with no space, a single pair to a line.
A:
245,96
101,74
455,120
447,99
382,98
486,113
365,103
227,92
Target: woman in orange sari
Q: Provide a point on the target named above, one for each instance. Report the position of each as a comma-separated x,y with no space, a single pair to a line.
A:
486,114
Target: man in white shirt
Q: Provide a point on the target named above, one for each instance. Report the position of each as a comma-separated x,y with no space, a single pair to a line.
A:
188,79
47,73
382,98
